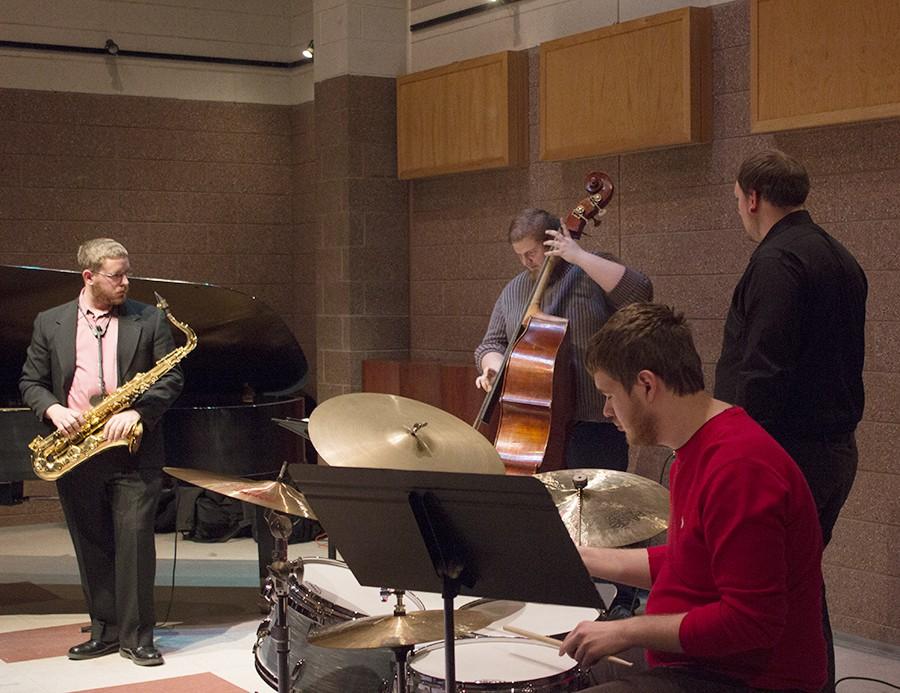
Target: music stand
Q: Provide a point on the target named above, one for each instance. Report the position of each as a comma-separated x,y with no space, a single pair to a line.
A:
493,536
301,428
298,426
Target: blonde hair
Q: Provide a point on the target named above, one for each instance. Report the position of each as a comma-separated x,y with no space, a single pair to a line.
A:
92,253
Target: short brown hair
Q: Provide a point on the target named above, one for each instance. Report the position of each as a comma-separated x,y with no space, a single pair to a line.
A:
532,223
92,253
776,177
647,336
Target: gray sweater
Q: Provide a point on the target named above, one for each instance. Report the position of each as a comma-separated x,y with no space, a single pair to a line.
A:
576,297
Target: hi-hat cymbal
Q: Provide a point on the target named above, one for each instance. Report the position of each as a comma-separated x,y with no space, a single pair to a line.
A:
276,495
398,631
603,507
366,429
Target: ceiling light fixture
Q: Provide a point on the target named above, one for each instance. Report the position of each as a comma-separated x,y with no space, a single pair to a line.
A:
111,47
309,50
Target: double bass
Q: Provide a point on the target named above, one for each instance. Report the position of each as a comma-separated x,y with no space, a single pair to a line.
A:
533,385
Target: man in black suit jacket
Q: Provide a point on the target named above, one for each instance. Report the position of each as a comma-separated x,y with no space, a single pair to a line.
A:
78,350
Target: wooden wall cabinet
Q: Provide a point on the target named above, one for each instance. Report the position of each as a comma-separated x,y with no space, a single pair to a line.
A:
642,84
466,116
821,63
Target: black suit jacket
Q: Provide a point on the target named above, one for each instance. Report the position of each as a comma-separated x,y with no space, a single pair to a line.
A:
145,336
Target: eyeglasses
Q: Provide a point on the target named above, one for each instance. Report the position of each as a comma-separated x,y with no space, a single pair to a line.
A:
116,278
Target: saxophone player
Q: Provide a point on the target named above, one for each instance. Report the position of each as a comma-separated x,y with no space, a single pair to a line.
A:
80,352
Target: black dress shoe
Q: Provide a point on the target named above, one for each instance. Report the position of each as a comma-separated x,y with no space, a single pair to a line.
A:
145,655
91,649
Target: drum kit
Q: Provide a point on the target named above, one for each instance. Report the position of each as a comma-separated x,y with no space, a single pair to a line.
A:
327,633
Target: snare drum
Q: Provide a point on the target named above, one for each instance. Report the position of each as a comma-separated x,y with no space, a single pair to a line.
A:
501,665
328,595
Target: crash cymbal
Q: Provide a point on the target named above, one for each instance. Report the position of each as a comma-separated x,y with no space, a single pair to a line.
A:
610,508
366,429
276,495
398,631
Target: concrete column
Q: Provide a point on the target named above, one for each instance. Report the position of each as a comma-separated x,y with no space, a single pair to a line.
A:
362,254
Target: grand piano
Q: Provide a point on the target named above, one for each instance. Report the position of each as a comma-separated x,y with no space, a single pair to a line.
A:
246,370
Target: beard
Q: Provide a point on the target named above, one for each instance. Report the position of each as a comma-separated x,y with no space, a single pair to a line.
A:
644,429
106,298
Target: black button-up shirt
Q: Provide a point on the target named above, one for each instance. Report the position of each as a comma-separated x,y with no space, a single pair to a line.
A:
794,337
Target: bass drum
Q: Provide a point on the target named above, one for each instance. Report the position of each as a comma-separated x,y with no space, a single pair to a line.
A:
328,595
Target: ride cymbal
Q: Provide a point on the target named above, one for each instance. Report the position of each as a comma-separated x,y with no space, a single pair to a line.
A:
276,495
607,508
398,630
366,429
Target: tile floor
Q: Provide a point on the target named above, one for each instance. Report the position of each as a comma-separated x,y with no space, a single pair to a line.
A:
212,620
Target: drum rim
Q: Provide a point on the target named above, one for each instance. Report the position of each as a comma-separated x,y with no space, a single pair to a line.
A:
298,594
560,677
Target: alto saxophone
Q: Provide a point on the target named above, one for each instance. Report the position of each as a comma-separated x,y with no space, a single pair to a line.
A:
56,454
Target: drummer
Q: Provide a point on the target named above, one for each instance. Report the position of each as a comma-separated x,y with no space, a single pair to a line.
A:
735,594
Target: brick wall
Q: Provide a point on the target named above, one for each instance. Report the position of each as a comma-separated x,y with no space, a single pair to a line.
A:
674,216
197,191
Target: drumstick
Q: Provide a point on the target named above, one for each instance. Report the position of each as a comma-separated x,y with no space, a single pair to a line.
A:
553,641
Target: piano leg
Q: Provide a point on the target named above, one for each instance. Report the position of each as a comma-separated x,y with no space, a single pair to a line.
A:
265,544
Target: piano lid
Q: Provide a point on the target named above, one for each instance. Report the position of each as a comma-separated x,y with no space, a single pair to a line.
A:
241,341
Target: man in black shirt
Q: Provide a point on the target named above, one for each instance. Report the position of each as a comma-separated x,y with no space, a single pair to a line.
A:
793,350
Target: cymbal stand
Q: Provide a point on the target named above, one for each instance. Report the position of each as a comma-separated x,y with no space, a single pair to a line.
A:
280,571
401,653
579,481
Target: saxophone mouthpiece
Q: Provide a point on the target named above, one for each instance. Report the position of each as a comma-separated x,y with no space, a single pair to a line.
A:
161,303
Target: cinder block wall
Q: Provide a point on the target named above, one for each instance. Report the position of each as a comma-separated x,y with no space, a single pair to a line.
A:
234,194
675,217
197,191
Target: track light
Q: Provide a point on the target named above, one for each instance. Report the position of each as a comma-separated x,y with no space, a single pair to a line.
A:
309,50
111,47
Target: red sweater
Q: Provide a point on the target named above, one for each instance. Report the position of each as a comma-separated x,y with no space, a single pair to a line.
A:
743,559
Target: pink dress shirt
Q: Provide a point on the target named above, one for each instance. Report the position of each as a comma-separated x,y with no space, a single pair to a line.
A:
86,382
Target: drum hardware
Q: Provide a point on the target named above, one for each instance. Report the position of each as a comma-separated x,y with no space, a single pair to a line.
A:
392,432
330,594
401,654
281,571
445,533
279,498
607,508
398,632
